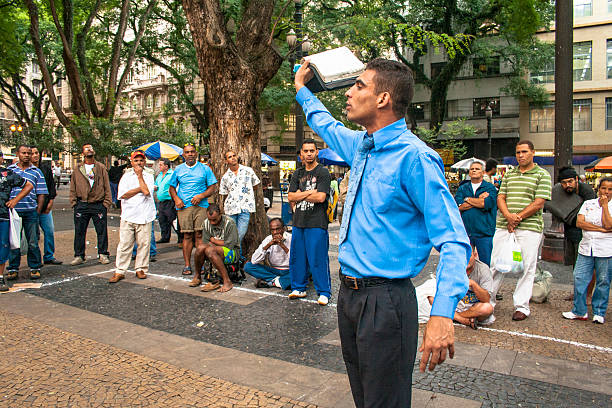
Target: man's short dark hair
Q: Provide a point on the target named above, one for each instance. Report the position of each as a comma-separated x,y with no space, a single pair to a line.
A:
604,180
491,164
213,208
395,78
22,145
309,141
277,219
116,163
166,161
528,143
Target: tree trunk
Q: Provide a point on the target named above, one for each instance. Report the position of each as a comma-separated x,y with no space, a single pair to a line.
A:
234,72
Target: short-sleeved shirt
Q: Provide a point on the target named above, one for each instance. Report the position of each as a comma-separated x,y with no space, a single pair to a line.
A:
162,182
8,180
138,209
306,214
239,190
595,243
35,176
192,181
521,189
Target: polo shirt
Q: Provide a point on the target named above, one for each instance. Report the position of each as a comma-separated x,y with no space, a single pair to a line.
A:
521,189
192,181
162,182
35,176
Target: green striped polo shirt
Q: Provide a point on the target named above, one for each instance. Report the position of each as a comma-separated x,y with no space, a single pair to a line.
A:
521,189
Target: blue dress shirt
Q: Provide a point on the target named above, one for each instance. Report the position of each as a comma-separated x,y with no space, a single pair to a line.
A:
401,207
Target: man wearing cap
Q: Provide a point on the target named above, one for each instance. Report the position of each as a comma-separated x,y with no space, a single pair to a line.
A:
137,214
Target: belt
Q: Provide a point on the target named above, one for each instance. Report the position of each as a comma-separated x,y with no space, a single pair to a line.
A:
361,283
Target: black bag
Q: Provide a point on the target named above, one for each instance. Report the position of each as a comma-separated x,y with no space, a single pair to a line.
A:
234,270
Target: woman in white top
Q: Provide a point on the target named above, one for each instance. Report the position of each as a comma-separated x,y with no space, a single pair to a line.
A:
594,251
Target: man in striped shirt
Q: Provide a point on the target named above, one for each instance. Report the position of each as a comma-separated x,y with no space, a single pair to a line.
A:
28,209
522,195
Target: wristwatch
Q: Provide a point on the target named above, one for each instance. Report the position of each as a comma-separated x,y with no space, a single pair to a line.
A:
465,199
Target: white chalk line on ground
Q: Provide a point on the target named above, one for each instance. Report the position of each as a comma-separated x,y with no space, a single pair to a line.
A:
267,293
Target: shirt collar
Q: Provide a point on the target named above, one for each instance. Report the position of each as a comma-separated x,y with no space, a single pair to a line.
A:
387,134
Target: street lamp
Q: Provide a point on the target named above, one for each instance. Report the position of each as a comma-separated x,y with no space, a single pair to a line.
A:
489,115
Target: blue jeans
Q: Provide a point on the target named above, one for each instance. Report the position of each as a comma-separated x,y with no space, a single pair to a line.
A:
484,246
46,225
242,222
29,222
114,189
153,250
309,248
5,246
583,271
268,273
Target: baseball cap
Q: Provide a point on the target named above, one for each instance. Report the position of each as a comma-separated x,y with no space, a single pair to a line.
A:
137,153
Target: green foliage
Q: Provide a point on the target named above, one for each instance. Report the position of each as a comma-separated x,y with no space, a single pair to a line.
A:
46,138
450,138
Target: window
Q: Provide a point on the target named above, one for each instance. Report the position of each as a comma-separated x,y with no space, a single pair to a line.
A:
35,68
150,71
582,61
486,66
608,113
583,8
609,59
436,68
609,6
290,122
546,76
542,119
149,102
59,101
480,106
418,111
36,87
582,114
134,104
59,84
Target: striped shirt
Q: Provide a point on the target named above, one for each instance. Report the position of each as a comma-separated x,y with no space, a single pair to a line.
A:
35,176
521,189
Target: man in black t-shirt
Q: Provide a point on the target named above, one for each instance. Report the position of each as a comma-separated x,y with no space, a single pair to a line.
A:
308,192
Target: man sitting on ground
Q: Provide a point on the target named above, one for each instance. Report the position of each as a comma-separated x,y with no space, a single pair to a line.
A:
475,307
220,245
274,248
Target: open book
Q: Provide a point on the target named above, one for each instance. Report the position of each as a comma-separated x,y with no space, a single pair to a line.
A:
334,69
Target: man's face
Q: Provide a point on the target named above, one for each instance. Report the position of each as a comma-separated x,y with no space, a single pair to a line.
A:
190,154
493,171
471,262
569,184
138,161
605,189
476,172
88,151
214,218
276,228
231,158
308,153
524,155
24,155
34,156
163,167
361,99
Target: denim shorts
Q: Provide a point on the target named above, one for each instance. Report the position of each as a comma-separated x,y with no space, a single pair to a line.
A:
5,246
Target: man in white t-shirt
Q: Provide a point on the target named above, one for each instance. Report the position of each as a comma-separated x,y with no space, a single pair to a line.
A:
137,213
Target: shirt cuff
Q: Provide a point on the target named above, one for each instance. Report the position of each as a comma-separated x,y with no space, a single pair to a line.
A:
444,306
303,95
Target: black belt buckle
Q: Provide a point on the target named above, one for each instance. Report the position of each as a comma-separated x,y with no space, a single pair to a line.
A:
351,278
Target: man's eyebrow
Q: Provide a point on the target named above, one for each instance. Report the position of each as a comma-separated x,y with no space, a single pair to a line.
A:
360,82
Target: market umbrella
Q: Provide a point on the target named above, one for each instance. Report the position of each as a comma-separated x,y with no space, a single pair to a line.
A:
157,150
591,165
265,159
604,164
466,163
328,157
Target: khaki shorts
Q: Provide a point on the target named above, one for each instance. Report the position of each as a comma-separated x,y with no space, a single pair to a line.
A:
191,218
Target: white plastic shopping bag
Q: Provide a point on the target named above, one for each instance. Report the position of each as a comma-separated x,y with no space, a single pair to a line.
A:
510,259
15,232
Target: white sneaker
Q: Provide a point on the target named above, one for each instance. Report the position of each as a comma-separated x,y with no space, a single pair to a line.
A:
572,316
598,319
276,282
488,321
323,300
297,294
77,261
103,259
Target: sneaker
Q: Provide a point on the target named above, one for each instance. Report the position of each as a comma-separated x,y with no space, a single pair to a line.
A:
77,261
598,319
323,300
35,274
499,296
488,321
296,294
572,316
276,282
12,274
103,259
3,287
261,284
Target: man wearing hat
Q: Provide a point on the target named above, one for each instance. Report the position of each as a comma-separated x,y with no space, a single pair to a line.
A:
137,214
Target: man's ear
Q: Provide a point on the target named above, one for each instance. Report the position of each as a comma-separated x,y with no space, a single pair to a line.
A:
383,100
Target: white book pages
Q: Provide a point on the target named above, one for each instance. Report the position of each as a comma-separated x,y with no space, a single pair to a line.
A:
335,64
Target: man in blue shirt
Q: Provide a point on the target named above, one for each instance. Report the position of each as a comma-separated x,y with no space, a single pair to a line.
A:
398,205
190,186
28,209
167,212
477,201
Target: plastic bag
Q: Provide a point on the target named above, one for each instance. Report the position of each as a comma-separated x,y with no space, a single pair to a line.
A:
15,231
510,259
541,285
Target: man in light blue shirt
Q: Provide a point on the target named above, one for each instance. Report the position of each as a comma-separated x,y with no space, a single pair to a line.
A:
397,208
190,186
167,212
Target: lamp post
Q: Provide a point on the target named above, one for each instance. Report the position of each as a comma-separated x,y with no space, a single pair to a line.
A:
300,48
489,115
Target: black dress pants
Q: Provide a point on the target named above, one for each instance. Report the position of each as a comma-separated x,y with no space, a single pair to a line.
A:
83,212
167,215
379,332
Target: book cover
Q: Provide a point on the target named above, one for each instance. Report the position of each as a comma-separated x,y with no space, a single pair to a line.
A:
334,69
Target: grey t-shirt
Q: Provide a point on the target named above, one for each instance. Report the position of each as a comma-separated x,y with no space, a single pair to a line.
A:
483,277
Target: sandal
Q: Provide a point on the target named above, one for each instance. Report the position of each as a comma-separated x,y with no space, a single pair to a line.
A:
195,282
187,270
474,323
209,287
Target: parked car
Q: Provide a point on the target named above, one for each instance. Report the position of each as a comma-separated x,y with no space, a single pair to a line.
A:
65,177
